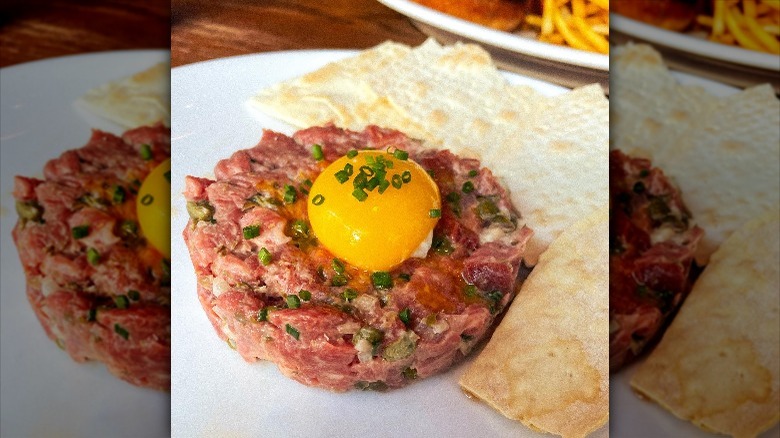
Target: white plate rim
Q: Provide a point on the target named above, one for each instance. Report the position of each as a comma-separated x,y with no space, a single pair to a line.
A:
497,38
693,45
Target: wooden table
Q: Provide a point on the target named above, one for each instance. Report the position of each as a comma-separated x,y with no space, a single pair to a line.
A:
39,29
208,30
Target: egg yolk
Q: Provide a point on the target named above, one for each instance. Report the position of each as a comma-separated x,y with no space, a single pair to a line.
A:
154,207
372,230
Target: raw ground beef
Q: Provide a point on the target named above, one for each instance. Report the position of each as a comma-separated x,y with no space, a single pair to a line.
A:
99,290
354,334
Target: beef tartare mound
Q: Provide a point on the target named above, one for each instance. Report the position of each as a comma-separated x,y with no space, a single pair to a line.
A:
652,243
99,290
273,291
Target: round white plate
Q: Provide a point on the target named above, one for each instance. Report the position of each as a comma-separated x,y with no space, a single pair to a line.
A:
528,56
44,392
721,62
631,416
217,393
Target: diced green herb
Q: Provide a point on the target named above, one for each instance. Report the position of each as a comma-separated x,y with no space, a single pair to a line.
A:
200,211
316,152
397,182
338,280
251,231
92,315
404,276
146,152
434,213
442,245
470,290
644,173
338,266
406,176
128,229
360,195
305,295
468,187
262,314
473,173
370,334
29,210
93,256
382,280
401,348
409,373
401,154
299,229
264,256
405,316
121,331
349,294
134,295
118,195
290,194
293,302
352,153
292,331
121,302
318,199
341,176
80,231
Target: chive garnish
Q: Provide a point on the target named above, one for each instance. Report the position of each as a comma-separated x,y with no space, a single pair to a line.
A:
80,231
318,200
643,173
290,195
352,153
338,280
264,256
360,195
146,152
401,154
121,302
304,294
382,280
405,277
93,256
147,199
473,173
406,176
262,314
468,187
119,195
405,316
338,266
383,185
316,152
121,331
349,169
397,182
434,213
349,294
341,176
292,331
251,231
92,315
134,295
293,302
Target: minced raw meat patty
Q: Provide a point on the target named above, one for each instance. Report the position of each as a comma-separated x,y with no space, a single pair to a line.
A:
99,290
652,242
354,335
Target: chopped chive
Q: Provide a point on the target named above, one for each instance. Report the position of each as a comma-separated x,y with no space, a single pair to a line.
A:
316,152
134,295
406,176
430,173
93,256
290,195
369,172
405,316
372,183
251,231
383,185
292,331
495,295
318,200
92,315
382,280
307,182
401,154
341,176
338,280
352,153
405,277
146,152
349,169
349,294
441,245
262,314
468,187
409,373
473,173
299,229
119,195
643,173
470,290
264,256
121,302
147,199
338,266
397,182
121,331
293,302
80,231
360,195
304,294
360,181
434,213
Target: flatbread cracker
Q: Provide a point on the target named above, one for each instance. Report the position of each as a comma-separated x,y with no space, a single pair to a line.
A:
547,363
453,97
718,365
141,99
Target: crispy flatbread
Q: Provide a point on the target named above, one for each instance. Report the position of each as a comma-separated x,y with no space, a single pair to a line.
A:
721,151
550,152
143,98
547,363
718,365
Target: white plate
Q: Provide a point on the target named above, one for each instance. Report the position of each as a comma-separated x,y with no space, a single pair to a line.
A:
559,64
636,418
44,392
730,64
217,393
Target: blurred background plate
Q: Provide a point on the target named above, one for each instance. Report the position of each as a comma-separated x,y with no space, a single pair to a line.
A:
728,64
520,54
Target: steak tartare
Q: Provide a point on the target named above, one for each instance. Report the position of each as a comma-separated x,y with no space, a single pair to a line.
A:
652,242
99,290
272,292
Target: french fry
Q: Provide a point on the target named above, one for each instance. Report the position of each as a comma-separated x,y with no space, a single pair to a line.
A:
581,24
